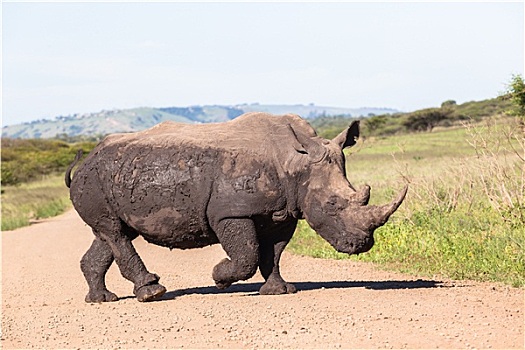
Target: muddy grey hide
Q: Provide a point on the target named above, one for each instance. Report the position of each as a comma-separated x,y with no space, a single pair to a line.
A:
244,184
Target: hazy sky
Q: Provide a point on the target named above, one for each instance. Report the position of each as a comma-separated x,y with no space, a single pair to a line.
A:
65,58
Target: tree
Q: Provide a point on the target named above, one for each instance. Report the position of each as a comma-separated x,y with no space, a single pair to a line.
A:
516,93
448,103
425,119
373,124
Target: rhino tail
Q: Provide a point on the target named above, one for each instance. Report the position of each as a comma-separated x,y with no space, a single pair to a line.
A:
71,166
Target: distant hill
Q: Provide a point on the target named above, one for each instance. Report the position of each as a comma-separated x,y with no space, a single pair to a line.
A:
136,119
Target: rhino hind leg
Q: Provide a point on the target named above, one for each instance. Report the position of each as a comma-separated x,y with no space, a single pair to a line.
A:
117,236
132,268
239,240
94,265
271,250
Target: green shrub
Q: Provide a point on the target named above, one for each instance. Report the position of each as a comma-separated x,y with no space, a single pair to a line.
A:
28,160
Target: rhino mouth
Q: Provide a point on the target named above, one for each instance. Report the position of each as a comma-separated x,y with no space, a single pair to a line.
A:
350,242
355,246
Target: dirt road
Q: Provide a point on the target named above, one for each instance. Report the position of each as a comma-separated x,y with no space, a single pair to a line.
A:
340,304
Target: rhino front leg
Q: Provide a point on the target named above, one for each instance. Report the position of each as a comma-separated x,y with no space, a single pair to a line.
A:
94,265
272,247
239,240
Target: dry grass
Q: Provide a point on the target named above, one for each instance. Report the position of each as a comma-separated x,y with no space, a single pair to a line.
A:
31,201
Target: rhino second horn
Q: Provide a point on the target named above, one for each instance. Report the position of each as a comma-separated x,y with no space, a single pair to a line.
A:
364,195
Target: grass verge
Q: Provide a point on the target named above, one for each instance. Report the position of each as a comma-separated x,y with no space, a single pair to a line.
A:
435,246
32,201
463,217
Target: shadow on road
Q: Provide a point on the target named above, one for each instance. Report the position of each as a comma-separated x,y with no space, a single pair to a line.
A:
253,288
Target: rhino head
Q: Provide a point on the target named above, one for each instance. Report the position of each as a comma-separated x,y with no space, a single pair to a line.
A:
329,203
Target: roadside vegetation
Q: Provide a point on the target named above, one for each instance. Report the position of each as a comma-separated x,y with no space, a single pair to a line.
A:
463,218
39,199
32,179
26,160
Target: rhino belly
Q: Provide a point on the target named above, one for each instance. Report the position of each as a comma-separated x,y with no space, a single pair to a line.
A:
169,227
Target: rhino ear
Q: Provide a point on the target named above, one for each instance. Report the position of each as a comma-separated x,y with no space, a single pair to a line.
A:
296,144
348,137
306,145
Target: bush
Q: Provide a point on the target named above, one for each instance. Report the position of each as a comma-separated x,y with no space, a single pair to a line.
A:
28,160
426,119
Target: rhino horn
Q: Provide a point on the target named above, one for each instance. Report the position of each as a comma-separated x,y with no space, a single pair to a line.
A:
385,211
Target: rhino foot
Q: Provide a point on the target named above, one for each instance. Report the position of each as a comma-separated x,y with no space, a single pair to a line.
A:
150,292
222,285
276,288
100,297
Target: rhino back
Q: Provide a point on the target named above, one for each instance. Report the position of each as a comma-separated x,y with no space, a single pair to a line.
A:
253,132
172,182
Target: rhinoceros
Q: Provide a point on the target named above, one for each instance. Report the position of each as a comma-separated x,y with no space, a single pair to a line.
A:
244,184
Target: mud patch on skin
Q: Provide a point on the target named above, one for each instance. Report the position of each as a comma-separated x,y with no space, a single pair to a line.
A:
246,183
157,221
